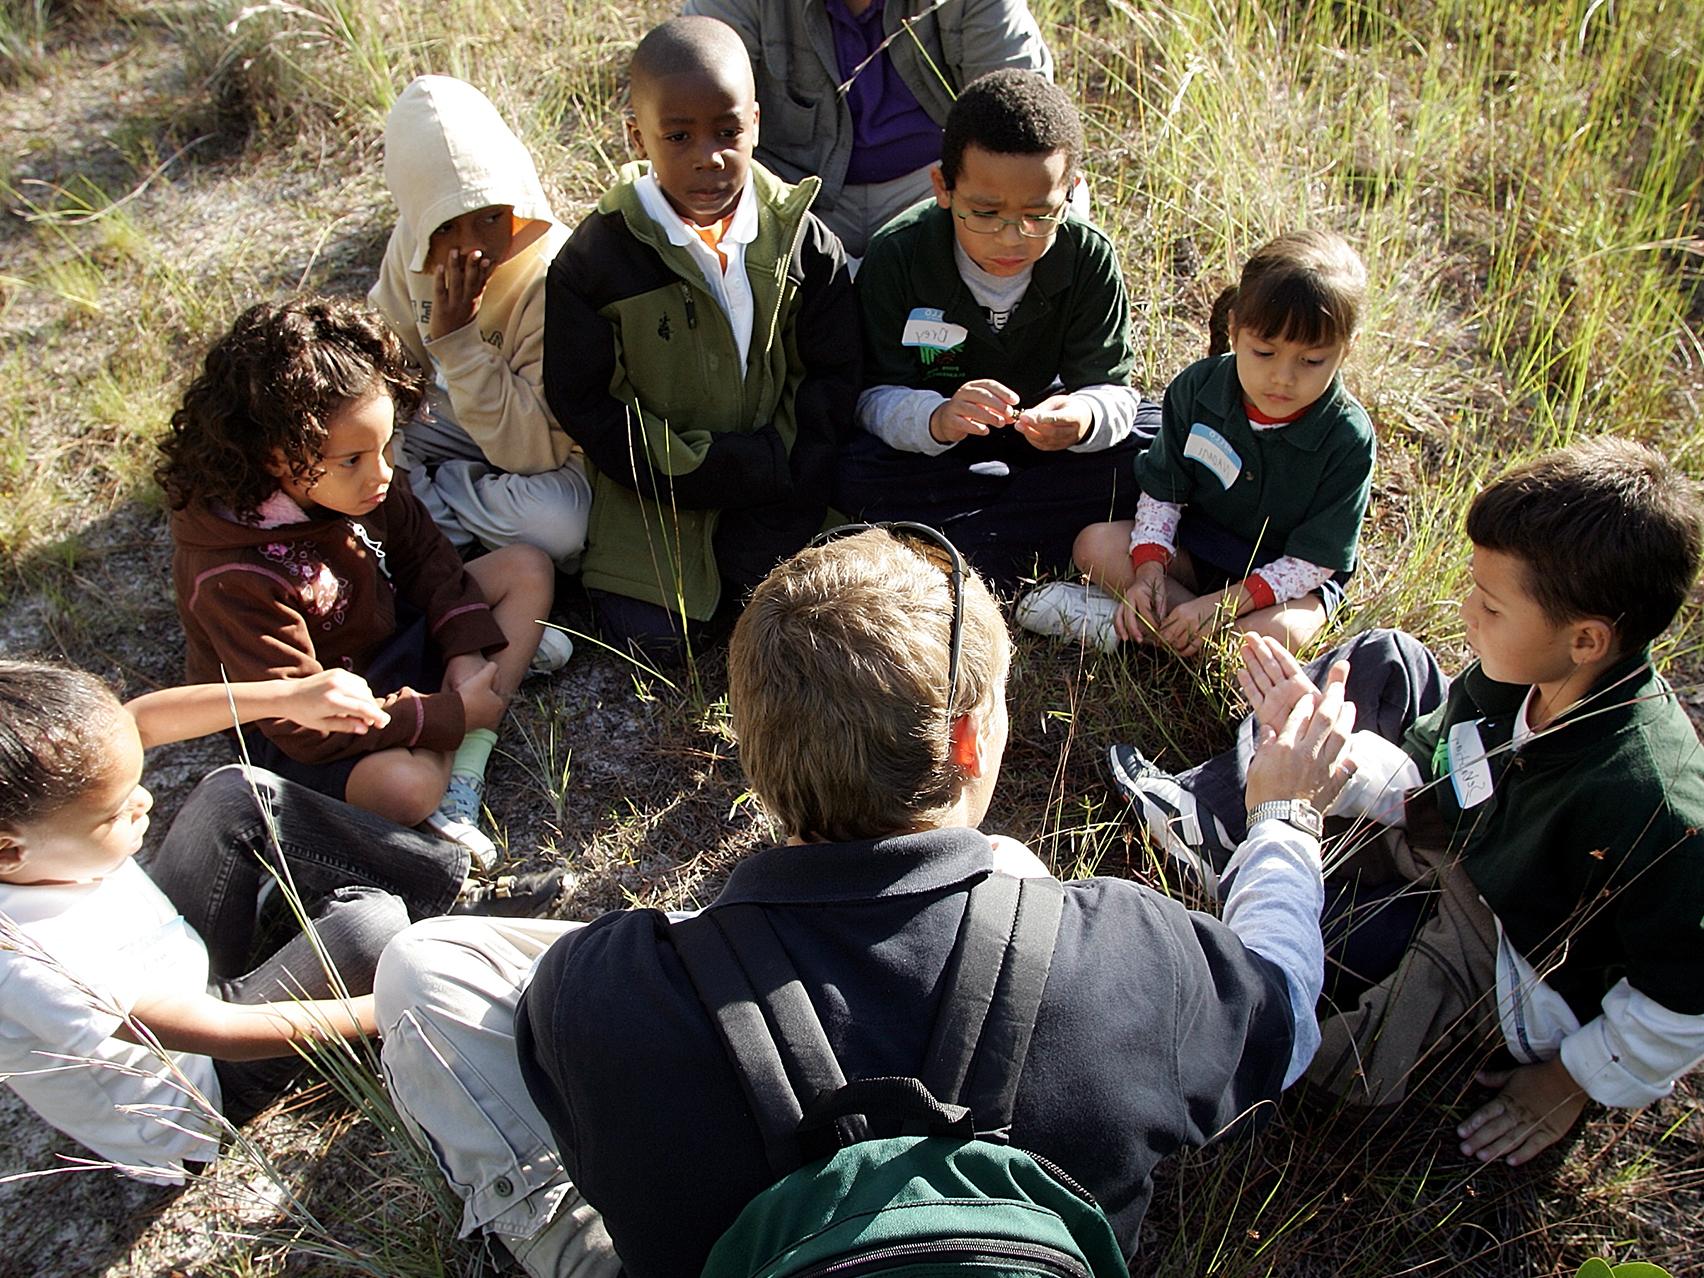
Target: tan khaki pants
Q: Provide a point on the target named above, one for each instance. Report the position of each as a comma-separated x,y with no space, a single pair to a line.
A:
1442,995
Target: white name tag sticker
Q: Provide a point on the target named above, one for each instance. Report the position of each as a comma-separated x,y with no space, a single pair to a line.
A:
1213,451
927,326
1470,770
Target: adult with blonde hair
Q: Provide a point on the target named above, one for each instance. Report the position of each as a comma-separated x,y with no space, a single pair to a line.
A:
867,686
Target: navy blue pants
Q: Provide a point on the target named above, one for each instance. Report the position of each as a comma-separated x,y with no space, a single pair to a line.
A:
1012,510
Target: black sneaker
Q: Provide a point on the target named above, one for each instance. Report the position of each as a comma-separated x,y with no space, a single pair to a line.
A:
1171,817
515,896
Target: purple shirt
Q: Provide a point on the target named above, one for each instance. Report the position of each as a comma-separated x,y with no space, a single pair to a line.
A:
892,134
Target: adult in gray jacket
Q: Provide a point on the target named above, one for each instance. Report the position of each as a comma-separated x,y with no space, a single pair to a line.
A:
846,93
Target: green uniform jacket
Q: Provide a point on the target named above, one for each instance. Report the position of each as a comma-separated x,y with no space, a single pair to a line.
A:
1297,490
1588,850
1072,326
642,370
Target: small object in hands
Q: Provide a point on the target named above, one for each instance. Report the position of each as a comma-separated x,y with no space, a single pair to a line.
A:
1297,812
1071,610
457,819
1171,817
554,651
514,896
990,469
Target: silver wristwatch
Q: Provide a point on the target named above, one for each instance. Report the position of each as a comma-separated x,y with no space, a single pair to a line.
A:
1298,812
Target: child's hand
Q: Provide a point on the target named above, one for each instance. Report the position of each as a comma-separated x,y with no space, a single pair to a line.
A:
1057,422
1307,756
975,408
1144,610
482,705
1188,625
1535,1108
457,285
1272,680
332,701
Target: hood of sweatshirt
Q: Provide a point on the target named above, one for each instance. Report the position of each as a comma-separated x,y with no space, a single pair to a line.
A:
448,152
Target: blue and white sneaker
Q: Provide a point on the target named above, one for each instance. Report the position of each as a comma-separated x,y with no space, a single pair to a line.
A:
1171,817
457,819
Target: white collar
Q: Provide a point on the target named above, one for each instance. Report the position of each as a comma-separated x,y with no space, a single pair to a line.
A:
742,230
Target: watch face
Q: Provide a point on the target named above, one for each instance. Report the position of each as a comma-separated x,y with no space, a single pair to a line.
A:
1304,816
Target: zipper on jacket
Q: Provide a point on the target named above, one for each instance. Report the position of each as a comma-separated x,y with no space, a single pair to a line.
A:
964,1251
691,306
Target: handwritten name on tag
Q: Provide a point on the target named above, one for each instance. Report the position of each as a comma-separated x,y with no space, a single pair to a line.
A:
1213,451
1470,770
927,326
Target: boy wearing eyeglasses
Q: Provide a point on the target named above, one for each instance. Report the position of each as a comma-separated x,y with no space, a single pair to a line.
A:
997,402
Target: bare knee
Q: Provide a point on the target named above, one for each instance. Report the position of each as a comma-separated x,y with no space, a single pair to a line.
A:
518,574
399,785
1101,550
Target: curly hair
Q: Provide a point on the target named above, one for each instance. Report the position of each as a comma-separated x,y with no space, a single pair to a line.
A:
267,390
1011,112
56,726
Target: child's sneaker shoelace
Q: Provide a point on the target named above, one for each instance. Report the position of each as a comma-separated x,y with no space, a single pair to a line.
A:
457,819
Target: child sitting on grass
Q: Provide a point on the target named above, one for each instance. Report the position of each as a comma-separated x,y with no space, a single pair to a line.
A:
98,955
299,548
1253,493
701,344
1552,803
462,284
997,403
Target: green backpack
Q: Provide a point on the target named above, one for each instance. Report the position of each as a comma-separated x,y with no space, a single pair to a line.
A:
893,1175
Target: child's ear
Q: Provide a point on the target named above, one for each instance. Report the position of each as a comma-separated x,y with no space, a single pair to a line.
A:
756,122
277,466
1594,640
635,139
943,192
12,854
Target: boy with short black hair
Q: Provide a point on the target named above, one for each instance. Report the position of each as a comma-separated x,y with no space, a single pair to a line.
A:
1555,798
997,399
697,346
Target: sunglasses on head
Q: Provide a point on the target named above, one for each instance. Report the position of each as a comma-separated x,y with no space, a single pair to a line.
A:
934,546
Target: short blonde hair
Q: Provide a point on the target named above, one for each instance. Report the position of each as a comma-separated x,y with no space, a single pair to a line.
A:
837,676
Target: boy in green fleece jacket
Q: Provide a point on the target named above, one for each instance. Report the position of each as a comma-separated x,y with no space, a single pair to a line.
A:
701,345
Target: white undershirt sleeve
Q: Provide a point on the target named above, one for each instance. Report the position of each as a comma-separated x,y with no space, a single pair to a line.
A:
899,417
1273,906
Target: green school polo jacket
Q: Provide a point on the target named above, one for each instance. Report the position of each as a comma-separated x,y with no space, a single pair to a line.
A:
1297,490
1588,848
1072,325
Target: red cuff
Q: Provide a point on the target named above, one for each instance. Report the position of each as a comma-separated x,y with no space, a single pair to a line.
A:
1149,552
1260,592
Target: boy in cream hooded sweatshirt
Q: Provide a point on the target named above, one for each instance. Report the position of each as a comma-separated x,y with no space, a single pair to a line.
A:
463,286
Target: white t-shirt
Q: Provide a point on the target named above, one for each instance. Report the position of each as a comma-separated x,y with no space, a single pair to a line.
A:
73,960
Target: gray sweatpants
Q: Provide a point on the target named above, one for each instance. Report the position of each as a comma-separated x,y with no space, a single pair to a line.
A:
472,501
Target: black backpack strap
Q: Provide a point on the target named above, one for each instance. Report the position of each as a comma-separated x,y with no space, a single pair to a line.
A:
994,987
766,1022
782,1057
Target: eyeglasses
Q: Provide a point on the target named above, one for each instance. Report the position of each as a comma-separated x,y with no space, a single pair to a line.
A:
933,545
1032,226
